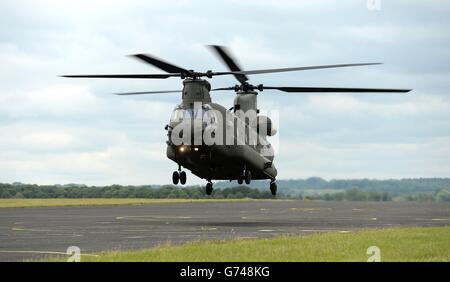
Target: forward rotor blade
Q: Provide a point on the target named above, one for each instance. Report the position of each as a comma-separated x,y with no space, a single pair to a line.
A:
148,92
162,65
226,56
335,90
140,76
303,68
223,88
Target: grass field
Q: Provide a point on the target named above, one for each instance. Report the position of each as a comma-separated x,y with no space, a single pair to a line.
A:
396,244
29,203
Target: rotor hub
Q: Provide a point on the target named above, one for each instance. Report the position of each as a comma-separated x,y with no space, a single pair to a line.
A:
245,87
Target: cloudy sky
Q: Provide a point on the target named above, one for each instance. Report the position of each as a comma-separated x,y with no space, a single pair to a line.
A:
56,130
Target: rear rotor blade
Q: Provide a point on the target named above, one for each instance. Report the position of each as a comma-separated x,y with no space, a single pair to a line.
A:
162,65
148,92
226,56
302,68
335,90
140,76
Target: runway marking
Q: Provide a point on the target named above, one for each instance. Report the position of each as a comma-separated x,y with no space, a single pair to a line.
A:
151,217
302,209
373,218
27,229
205,228
315,230
244,217
43,252
310,209
440,219
266,230
135,237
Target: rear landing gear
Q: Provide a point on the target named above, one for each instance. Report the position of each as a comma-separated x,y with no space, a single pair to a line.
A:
273,187
248,176
209,188
245,176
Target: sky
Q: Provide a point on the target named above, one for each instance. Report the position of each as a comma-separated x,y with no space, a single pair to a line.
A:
57,130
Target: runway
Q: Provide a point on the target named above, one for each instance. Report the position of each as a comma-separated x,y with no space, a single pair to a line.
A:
32,233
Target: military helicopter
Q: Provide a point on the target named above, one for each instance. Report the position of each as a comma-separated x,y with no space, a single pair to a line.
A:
233,155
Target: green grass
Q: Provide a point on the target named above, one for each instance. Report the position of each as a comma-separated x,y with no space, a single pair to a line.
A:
29,203
396,244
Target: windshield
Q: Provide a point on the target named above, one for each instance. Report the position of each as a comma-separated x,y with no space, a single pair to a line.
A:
177,115
194,113
188,114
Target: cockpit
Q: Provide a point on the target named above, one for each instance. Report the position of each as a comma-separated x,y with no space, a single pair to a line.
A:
204,113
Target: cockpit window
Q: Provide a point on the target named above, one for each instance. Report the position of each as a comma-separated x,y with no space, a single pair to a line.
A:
199,114
188,114
177,115
205,114
194,113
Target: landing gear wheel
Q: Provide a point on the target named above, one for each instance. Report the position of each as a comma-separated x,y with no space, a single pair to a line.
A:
175,177
209,188
248,176
183,178
273,188
240,180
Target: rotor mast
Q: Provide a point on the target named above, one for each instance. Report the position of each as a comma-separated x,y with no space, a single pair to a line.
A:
195,90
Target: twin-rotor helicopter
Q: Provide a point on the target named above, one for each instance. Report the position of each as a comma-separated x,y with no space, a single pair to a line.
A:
234,155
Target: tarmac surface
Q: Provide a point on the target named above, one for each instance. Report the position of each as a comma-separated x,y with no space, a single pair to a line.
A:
34,233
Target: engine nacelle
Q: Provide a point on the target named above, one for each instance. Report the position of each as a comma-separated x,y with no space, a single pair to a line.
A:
265,125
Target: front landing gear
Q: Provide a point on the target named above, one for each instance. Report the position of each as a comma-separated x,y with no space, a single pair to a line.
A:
273,187
179,177
175,177
183,177
209,188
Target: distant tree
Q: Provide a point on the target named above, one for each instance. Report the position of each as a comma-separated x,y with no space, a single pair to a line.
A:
443,195
339,196
5,194
356,194
18,195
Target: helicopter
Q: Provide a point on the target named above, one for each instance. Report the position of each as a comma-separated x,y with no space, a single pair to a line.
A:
216,143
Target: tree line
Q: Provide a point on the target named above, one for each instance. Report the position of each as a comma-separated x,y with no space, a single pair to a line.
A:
33,191
358,194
